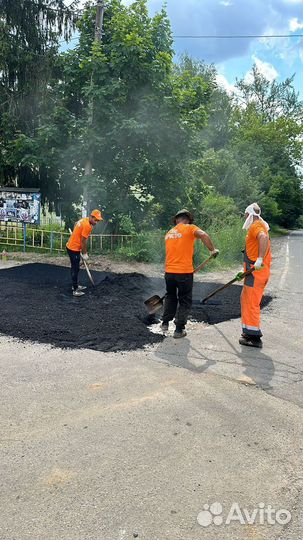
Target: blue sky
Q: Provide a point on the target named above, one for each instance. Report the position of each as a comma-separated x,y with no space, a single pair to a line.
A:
276,58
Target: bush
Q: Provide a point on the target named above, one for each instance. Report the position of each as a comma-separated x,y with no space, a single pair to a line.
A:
150,247
229,240
299,222
145,247
218,209
125,224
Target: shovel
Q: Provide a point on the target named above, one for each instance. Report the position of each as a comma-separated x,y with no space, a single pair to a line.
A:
244,274
154,303
90,277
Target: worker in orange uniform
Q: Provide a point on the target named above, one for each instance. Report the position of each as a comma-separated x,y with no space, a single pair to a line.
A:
77,246
179,243
257,254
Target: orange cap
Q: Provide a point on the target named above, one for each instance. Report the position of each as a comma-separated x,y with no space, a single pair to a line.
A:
97,215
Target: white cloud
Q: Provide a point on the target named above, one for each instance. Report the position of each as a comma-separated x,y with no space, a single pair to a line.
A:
265,68
226,3
294,24
223,82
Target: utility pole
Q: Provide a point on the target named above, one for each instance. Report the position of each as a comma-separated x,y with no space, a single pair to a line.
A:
99,20
88,167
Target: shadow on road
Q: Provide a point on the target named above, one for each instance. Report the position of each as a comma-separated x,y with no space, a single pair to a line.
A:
258,368
182,358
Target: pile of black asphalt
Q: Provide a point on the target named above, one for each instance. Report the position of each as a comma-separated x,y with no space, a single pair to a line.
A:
37,305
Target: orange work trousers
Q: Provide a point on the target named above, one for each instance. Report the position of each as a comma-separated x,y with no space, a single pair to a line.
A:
251,296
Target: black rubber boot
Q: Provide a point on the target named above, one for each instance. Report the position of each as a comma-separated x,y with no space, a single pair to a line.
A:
251,341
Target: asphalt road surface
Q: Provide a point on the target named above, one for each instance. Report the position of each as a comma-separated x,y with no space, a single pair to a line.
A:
142,444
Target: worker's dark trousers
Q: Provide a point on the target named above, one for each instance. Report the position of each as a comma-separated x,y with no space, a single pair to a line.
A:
178,299
75,266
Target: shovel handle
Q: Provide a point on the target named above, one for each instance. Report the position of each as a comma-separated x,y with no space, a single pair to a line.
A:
203,264
90,277
247,273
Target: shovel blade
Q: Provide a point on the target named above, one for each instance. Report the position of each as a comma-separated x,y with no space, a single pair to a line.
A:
206,302
154,303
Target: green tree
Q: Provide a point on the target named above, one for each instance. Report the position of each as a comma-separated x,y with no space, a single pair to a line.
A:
159,135
252,149
273,153
29,34
271,98
130,111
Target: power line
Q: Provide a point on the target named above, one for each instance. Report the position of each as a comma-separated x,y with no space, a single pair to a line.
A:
221,37
204,37
239,37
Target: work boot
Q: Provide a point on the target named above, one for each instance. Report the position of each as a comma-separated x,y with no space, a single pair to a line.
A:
78,292
179,333
251,341
164,326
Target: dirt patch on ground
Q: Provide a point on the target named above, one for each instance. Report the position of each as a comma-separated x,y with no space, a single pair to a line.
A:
101,263
37,305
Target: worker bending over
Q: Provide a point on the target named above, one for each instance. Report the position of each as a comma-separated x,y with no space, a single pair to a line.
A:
77,245
257,254
179,243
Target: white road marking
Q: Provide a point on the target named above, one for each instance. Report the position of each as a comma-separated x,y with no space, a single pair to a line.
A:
286,267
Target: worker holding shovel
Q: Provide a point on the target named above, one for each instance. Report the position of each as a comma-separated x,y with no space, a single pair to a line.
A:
77,247
257,255
179,242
